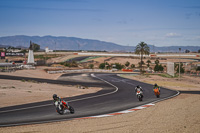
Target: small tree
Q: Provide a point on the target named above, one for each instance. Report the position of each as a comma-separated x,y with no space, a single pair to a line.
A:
91,66
148,63
198,68
102,66
161,68
107,65
36,47
156,68
141,63
132,65
119,66
157,62
182,70
187,51
127,64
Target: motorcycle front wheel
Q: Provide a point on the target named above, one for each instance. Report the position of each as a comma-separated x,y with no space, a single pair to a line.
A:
61,112
71,109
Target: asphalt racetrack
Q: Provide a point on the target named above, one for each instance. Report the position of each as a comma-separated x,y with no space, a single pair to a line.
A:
117,95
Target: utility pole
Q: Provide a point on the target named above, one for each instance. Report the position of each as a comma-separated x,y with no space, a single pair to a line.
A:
179,65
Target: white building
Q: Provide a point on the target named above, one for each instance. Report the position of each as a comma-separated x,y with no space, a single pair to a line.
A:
48,50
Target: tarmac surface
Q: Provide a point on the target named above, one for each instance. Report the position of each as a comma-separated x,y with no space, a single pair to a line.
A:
117,95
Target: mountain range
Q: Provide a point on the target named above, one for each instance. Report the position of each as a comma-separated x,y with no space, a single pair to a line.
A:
73,43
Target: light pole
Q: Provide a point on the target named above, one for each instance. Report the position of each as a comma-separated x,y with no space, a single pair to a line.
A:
179,65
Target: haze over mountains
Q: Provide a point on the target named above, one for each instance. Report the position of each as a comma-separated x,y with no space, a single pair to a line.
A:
73,43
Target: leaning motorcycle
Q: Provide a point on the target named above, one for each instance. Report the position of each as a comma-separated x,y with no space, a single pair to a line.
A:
62,107
139,95
157,92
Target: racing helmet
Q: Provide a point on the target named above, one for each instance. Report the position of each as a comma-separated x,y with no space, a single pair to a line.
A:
55,96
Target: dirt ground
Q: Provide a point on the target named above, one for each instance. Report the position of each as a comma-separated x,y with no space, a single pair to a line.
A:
177,115
14,92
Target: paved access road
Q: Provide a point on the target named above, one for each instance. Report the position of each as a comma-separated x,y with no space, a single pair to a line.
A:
117,95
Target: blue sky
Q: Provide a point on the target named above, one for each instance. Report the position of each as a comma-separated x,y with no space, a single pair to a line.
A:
125,22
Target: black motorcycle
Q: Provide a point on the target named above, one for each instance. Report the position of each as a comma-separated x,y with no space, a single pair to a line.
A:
62,107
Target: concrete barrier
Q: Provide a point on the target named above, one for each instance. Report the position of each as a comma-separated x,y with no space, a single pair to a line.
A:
135,55
79,70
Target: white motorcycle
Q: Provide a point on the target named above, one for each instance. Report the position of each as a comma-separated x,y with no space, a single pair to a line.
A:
139,95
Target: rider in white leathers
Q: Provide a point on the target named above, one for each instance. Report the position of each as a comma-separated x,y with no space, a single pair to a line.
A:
57,100
139,88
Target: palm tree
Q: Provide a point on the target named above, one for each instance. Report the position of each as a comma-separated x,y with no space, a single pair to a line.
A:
141,49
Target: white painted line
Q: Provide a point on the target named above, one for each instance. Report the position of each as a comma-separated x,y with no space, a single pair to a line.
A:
99,116
125,111
151,104
140,107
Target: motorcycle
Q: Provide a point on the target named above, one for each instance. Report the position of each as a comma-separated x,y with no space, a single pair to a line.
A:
62,107
139,95
157,92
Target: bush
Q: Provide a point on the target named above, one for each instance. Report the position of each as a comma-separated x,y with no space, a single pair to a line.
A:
157,62
91,66
127,64
198,68
132,65
182,70
158,68
70,64
161,68
119,66
102,66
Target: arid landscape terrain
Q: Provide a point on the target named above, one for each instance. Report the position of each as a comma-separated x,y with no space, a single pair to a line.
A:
95,55
179,114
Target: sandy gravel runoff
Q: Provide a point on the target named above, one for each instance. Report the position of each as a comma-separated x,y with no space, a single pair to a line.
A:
180,114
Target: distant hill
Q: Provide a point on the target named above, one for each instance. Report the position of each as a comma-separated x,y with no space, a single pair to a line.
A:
62,43
174,48
73,43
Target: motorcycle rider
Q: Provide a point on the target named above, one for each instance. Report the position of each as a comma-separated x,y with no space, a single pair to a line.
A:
58,99
156,86
139,88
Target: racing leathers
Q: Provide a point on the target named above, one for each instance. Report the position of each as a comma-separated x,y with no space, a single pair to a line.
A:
139,89
155,87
